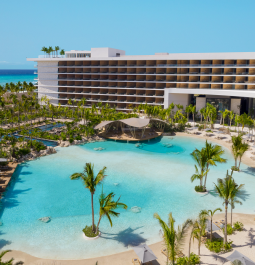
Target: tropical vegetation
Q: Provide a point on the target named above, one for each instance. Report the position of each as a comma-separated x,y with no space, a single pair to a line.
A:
226,189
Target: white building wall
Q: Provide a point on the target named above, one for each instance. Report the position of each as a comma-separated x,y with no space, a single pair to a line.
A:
48,85
235,105
200,103
183,99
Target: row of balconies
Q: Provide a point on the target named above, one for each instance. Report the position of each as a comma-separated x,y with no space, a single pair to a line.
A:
144,86
197,71
122,92
128,100
118,106
158,63
225,79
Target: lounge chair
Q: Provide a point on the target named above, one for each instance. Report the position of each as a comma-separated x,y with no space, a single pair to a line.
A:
180,254
164,251
136,261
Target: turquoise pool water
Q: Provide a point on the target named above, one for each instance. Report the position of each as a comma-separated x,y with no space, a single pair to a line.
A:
154,176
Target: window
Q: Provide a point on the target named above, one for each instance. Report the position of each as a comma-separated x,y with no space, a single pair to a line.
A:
117,54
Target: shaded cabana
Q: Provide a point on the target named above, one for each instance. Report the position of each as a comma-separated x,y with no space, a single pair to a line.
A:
238,258
132,124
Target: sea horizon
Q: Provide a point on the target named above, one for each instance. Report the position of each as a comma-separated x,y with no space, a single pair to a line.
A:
16,75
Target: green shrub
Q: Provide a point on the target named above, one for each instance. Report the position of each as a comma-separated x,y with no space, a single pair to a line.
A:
22,152
200,127
238,226
230,230
71,140
78,137
234,168
38,146
88,231
217,245
200,189
228,246
194,259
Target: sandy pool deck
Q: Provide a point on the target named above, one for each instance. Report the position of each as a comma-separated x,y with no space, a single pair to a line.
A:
243,241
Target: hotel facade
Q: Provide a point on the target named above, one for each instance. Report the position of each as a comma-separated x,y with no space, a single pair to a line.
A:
107,75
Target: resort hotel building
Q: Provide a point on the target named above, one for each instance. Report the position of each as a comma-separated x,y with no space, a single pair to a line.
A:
107,75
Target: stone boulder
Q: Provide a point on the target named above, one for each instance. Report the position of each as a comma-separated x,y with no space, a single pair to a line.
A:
45,219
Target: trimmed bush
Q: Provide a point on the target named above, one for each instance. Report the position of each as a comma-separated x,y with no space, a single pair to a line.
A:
217,245
230,230
234,168
238,226
194,259
200,189
88,231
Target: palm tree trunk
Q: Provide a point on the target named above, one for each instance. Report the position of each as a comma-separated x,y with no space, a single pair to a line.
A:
92,207
226,221
206,176
239,163
190,243
98,223
198,247
231,215
211,230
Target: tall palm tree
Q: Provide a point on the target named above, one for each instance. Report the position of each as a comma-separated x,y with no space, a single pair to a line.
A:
243,149
44,49
57,49
107,207
201,160
226,188
211,213
199,228
173,238
213,155
90,182
233,199
236,146
62,52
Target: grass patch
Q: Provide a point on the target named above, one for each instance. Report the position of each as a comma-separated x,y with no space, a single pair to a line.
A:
88,231
200,189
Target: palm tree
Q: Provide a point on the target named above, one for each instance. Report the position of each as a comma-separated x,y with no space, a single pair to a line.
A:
231,117
199,228
236,146
62,52
173,239
201,159
213,155
90,181
243,149
211,213
226,188
193,110
44,49
107,207
233,199
57,49
50,50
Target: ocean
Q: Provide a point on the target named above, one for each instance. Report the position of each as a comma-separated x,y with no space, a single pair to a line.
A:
16,75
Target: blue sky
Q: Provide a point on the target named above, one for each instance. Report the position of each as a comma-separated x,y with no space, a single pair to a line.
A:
136,26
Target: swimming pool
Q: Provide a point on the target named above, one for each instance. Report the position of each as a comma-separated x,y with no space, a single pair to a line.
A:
154,176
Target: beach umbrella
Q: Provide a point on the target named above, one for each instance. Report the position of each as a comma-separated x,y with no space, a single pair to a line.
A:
144,253
238,258
220,132
3,160
214,226
208,129
193,128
